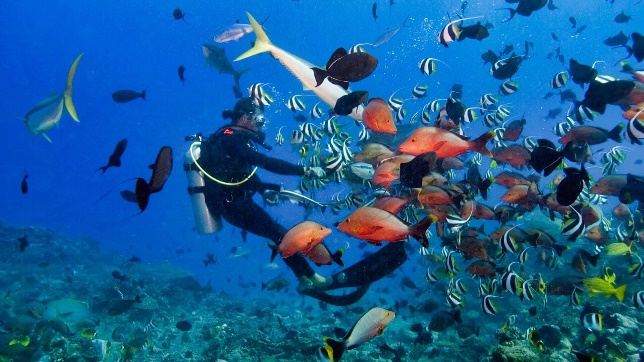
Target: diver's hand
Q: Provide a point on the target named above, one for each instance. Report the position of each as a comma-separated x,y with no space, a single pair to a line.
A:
314,172
271,197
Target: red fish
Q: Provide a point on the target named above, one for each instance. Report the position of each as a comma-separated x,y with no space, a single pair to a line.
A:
377,116
375,226
302,237
444,143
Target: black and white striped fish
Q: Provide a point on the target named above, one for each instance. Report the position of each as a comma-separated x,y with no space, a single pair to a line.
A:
316,112
295,104
559,80
279,138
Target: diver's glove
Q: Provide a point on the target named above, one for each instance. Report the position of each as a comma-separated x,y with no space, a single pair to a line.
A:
314,172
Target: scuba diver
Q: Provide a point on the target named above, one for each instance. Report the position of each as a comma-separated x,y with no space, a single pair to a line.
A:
231,158
222,175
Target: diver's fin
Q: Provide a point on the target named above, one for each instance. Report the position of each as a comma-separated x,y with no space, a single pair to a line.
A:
340,300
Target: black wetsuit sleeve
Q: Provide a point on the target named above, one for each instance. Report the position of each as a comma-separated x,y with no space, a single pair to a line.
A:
275,165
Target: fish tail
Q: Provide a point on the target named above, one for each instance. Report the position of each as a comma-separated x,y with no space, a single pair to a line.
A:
559,249
238,74
103,169
262,43
626,67
337,257
512,14
619,292
484,186
479,144
319,74
142,95
274,252
69,104
419,231
614,133
336,349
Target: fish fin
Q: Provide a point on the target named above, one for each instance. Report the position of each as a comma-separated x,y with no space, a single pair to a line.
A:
479,144
419,231
262,43
342,83
337,348
69,104
619,292
46,137
142,94
512,14
614,133
319,74
337,257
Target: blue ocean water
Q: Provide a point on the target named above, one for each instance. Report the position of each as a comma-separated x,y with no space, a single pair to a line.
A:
139,46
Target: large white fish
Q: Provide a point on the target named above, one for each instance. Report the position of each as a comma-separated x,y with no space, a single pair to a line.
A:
301,69
47,113
370,325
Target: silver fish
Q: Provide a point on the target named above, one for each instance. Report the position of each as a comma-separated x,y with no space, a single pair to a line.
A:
46,114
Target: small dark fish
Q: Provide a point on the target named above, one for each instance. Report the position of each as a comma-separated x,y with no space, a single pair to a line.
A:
617,40
528,45
345,104
118,276
122,305
24,243
525,8
177,14
455,110
545,157
444,319
580,29
548,95
622,18
463,7
210,259
488,25
180,71
507,50
115,157
183,326
134,259
599,94
343,68
633,190
124,96
571,186
573,21
160,172
24,188
476,31
489,57
532,311
560,58
554,37
567,95
638,47
456,91
553,113
374,8
300,118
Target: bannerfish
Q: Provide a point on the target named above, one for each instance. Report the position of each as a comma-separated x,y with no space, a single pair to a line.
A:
115,157
46,114
126,95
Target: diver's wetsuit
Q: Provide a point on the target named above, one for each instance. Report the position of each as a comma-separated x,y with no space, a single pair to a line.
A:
230,155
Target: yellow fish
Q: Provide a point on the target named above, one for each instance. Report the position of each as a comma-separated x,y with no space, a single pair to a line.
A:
600,286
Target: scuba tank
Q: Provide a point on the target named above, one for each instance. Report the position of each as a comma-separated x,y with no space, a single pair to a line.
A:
205,222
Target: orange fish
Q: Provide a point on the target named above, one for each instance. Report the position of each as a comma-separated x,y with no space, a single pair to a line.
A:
389,170
377,116
633,111
392,204
302,237
375,226
444,143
